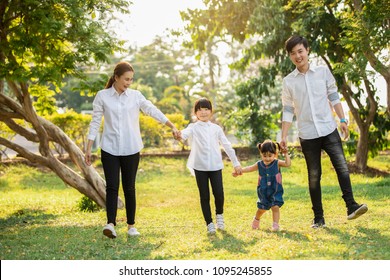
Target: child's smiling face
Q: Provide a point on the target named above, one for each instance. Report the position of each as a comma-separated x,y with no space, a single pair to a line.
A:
203,114
268,157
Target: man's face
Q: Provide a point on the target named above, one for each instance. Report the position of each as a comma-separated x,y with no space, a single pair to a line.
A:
299,56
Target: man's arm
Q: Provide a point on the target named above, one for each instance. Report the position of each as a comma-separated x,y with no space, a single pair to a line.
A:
338,108
285,127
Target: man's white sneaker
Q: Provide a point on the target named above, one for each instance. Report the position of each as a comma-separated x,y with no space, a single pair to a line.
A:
133,232
109,231
220,222
210,228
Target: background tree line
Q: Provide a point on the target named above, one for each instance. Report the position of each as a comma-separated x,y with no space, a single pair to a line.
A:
58,53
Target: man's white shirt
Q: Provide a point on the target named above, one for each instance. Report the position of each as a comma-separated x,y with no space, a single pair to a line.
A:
310,97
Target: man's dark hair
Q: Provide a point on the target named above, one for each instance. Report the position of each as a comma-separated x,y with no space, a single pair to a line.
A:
295,40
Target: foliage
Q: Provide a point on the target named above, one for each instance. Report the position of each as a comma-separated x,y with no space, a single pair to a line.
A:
42,43
341,33
86,204
40,221
75,125
49,40
45,103
155,134
6,133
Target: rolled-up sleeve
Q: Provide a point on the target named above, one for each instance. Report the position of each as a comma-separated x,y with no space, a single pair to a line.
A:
288,104
332,91
97,115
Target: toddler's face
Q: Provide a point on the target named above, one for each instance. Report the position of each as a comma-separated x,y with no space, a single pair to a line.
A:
268,157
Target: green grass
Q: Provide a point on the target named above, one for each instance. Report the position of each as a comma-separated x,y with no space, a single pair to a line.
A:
39,218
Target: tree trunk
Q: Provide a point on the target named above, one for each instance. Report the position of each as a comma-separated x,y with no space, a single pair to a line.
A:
362,149
85,178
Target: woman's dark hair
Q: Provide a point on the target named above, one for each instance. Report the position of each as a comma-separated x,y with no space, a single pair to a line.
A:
295,40
202,103
268,147
121,68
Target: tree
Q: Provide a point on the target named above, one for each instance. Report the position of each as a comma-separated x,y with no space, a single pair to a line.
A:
41,43
345,34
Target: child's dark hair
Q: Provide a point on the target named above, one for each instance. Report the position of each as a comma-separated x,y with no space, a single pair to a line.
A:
295,40
268,147
202,103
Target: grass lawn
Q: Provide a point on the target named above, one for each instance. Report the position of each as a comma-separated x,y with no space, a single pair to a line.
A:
40,220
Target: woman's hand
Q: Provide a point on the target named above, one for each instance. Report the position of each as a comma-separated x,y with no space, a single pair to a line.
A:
88,157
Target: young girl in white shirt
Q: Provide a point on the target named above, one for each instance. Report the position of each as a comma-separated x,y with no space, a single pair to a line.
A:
121,141
205,161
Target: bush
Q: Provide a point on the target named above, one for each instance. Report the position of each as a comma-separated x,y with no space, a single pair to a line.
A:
87,205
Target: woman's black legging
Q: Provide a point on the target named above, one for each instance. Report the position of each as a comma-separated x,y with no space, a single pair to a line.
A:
127,166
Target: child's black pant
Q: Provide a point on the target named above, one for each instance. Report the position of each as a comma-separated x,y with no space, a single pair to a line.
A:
202,180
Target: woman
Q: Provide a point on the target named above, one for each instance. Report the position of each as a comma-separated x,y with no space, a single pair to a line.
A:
121,140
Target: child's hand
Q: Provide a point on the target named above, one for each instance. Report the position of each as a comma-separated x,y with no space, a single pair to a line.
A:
177,135
237,171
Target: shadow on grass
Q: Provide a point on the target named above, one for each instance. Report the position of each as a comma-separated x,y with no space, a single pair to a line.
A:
377,191
366,243
26,216
230,243
70,243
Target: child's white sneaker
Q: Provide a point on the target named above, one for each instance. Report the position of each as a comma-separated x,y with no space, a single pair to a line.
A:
109,231
133,231
211,228
220,222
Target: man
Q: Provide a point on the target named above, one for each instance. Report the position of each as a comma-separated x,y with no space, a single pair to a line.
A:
309,93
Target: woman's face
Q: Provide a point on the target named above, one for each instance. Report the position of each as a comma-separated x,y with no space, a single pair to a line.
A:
124,81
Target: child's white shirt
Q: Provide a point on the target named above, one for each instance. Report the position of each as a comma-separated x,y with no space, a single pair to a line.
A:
205,140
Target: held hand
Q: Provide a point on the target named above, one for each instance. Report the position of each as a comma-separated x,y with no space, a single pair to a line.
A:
88,158
283,145
284,151
344,130
176,134
237,171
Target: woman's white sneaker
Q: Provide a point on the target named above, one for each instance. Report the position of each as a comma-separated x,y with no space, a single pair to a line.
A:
109,231
133,232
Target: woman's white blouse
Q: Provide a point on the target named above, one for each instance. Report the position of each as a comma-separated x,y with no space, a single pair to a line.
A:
121,131
205,139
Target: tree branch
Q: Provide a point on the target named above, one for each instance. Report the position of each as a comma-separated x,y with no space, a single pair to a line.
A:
24,152
29,135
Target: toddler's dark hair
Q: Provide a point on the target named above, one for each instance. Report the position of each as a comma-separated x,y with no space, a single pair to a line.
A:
295,40
202,103
268,147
